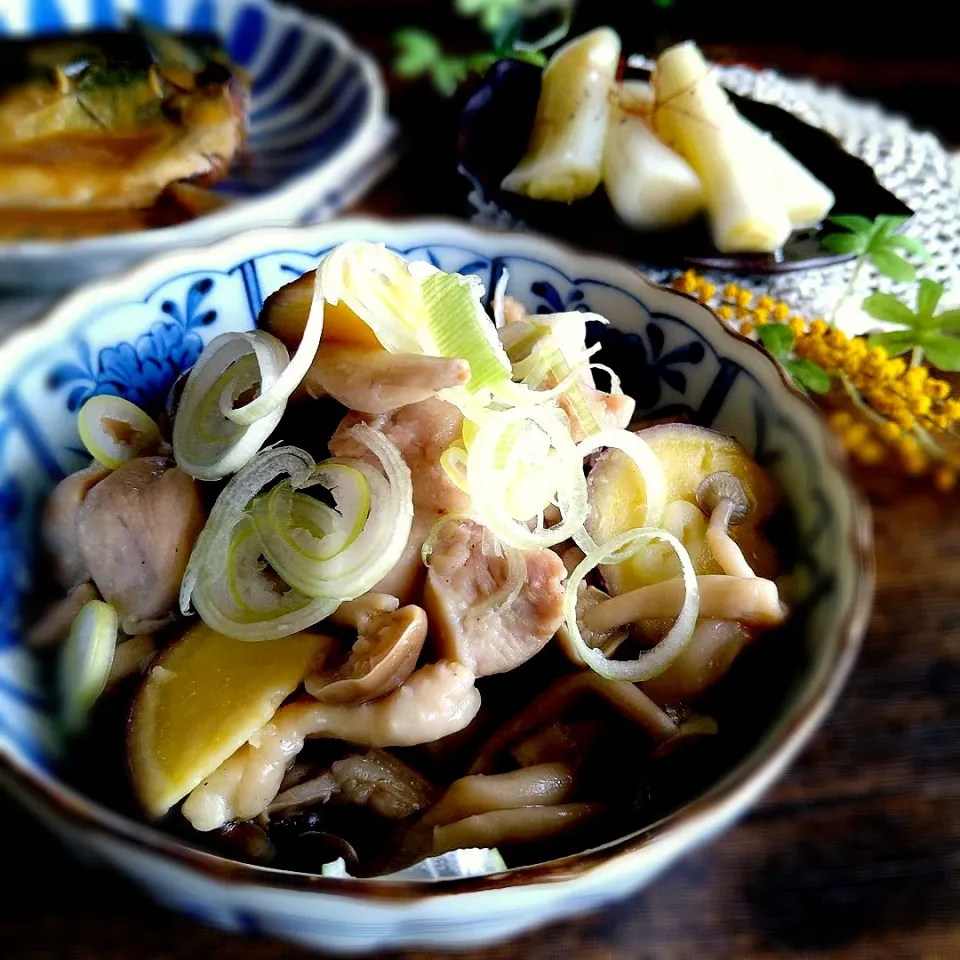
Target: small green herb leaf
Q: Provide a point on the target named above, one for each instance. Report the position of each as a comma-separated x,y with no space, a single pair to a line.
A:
886,307
537,57
929,294
949,321
492,14
809,375
911,245
777,339
942,351
887,223
895,343
417,51
892,265
845,243
853,222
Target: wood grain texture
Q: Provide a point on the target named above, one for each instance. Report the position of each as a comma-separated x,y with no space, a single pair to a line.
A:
854,855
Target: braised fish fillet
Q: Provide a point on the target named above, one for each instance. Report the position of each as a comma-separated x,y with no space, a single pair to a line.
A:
108,120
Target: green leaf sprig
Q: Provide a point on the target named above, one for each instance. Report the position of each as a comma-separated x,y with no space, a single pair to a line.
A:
923,330
876,241
778,340
420,53
492,14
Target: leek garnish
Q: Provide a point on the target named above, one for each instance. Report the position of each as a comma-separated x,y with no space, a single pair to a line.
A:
114,430
85,661
381,288
217,428
651,662
547,434
215,538
459,327
270,564
239,597
373,519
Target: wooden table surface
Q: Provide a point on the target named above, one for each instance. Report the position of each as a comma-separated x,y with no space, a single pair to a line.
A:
854,855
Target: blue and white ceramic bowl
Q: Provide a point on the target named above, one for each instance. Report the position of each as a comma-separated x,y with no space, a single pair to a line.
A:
318,127
132,336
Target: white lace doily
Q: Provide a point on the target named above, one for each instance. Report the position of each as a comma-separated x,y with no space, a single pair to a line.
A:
912,164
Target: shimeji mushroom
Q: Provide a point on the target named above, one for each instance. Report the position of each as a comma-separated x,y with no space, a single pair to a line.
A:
608,641
753,601
546,784
355,613
374,779
629,701
522,825
722,498
371,380
384,655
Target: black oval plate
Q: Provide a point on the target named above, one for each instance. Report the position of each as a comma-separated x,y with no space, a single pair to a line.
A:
494,129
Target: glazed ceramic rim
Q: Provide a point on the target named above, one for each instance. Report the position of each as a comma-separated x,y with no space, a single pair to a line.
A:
685,827
245,213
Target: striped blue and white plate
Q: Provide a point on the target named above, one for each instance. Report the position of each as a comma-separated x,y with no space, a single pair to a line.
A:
319,133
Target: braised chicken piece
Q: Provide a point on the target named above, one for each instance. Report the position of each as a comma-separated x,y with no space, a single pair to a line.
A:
471,619
421,432
58,527
135,531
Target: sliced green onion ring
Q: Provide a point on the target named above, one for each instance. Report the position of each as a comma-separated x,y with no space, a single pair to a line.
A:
651,662
645,460
380,287
214,433
85,661
616,389
435,532
214,539
240,599
376,514
488,484
207,444
453,460
114,430
277,384
458,326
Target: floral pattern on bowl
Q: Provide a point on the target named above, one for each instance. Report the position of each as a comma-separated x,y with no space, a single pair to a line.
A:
134,335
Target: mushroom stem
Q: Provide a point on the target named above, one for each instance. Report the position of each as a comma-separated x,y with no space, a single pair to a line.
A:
629,701
501,827
546,784
753,601
371,380
723,547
